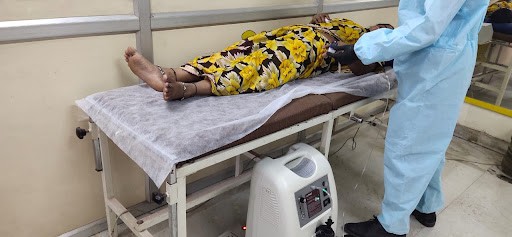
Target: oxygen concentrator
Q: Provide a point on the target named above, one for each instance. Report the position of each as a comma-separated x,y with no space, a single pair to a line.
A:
294,195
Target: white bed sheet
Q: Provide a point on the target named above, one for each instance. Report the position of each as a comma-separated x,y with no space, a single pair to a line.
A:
157,134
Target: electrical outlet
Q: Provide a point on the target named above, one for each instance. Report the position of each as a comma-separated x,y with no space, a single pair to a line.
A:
228,234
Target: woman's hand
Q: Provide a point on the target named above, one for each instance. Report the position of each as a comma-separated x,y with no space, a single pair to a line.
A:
320,18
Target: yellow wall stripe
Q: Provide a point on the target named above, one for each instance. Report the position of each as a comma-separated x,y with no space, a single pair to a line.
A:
485,105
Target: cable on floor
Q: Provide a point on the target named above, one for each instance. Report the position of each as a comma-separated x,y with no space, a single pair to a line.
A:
115,222
354,143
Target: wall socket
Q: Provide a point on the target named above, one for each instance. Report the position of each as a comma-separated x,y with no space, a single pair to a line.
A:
228,234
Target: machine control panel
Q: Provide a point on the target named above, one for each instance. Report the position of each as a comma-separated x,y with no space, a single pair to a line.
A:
313,200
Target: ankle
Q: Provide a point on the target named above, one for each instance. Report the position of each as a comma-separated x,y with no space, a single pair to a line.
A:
171,75
191,90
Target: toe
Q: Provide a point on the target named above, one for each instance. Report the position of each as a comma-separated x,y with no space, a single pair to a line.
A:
166,91
130,51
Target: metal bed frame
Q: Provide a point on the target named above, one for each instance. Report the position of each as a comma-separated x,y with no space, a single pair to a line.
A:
177,200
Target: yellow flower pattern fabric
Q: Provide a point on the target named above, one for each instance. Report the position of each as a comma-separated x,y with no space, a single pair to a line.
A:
503,4
268,60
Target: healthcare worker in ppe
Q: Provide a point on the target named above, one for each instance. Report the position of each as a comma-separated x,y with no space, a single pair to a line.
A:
434,51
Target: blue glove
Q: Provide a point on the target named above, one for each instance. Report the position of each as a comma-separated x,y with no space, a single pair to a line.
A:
344,55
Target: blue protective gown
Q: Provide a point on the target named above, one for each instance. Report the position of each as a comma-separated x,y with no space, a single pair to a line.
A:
434,48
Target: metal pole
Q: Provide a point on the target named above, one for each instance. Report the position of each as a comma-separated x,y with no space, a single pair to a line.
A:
173,208
320,7
142,9
144,37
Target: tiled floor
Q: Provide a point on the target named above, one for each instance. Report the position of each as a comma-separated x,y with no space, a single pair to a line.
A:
477,202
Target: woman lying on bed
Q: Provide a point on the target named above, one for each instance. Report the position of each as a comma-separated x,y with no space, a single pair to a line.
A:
262,62
499,14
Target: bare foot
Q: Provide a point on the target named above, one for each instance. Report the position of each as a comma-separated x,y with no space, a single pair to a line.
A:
144,69
179,90
173,90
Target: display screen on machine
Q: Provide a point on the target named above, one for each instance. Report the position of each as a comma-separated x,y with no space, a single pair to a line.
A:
313,203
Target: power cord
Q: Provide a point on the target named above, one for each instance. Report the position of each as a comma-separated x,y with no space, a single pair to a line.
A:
115,222
250,162
354,143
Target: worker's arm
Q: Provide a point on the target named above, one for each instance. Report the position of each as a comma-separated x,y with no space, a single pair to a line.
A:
416,32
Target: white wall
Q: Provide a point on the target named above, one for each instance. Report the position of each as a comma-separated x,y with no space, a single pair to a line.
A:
37,9
196,5
49,185
494,124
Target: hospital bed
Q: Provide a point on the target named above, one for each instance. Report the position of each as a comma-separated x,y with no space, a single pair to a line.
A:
301,105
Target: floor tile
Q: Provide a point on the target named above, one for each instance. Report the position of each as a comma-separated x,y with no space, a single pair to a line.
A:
483,210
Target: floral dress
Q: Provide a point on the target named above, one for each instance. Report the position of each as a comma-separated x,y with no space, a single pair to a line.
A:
271,59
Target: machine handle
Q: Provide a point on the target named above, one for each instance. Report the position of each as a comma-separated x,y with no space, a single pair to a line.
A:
298,153
290,157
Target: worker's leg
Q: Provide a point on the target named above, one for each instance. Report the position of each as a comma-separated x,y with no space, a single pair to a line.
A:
410,162
420,129
433,199
414,150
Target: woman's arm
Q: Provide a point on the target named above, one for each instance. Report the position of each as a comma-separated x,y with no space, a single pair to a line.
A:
358,68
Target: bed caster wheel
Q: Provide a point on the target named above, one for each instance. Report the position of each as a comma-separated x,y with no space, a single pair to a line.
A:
159,198
80,132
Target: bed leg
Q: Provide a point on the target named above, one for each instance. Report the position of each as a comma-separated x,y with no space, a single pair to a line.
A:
182,207
108,189
172,202
325,143
150,188
239,167
177,200
301,136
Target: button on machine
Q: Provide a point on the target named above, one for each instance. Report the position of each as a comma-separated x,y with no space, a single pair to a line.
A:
327,201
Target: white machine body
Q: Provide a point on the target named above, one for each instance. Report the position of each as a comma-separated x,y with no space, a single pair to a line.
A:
292,195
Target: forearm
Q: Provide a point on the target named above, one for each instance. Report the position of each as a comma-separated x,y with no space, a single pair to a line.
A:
358,68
